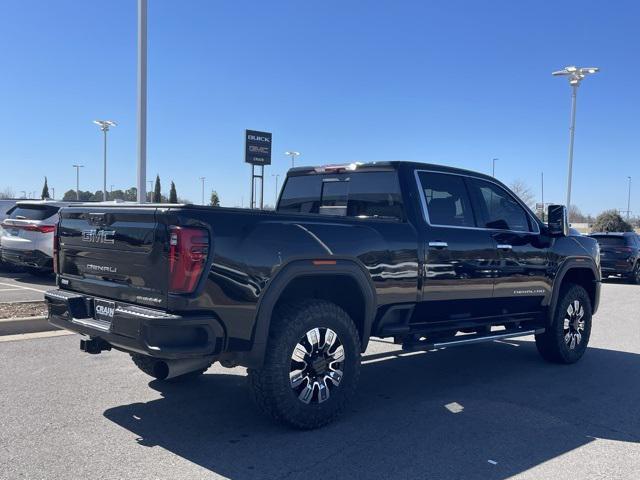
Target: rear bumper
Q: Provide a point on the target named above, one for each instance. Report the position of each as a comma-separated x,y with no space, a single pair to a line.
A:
137,329
616,267
27,258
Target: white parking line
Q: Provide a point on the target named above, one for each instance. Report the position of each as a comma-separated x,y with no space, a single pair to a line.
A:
20,287
30,336
9,289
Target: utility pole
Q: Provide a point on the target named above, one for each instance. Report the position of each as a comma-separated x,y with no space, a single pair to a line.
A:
104,126
493,167
293,156
629,200
575,76
78,167
277,175
142,100
202,180
542,185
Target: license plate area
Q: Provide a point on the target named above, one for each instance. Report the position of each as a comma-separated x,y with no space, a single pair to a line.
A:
104,310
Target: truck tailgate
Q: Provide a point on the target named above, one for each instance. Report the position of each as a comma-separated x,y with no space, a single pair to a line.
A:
114,252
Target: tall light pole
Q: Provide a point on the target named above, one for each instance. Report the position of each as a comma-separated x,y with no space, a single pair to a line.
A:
542,192
493,167
629,199
142,100
104,126
202,180
277,175
575,75
78,167
293,156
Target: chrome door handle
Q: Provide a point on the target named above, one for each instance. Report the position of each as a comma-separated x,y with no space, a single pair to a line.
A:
504,246
438,244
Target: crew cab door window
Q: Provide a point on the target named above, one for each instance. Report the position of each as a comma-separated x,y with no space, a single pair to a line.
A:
446,199
498,209
351,194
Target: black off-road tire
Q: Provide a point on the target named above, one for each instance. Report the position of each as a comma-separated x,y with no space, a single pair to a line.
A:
146,363
552,344
270,386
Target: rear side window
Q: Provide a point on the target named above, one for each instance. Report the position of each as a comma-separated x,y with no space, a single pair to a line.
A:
362,194
301,195
447,199
32,212
611,241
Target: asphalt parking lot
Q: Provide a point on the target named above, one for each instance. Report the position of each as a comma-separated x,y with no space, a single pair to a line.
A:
491,411
23,287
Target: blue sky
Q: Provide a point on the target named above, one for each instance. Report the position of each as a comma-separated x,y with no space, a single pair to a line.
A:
452,82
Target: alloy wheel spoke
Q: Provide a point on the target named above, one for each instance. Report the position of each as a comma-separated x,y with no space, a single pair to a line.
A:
307,393
323,391
338,354
567,338
296,378
300,354
329,339
335,376
313,336
570,310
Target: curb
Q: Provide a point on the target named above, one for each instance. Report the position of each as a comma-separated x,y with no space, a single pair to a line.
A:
14,326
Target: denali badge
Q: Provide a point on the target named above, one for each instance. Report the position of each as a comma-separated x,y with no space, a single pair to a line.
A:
98,236
101,268
105,311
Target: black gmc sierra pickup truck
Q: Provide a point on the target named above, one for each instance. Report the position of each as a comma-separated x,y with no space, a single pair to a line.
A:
431,256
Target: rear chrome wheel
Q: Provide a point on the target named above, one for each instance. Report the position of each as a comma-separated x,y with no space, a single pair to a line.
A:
311,366
316,365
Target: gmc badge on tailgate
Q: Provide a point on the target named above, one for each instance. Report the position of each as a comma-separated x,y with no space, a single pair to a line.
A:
98,236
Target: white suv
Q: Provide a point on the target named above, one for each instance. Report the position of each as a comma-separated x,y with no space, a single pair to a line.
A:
27,234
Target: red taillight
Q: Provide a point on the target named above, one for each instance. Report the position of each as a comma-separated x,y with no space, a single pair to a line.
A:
188,251
56,246
38,228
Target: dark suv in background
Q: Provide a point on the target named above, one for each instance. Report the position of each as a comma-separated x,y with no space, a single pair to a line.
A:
619,254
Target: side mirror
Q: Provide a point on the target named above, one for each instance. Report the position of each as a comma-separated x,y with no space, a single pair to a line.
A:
558,221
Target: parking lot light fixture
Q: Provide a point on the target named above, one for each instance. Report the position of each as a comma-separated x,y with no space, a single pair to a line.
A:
104,126
78,167
293,156
575,75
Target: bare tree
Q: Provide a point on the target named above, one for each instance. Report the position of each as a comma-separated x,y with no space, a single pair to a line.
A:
522,190
7,193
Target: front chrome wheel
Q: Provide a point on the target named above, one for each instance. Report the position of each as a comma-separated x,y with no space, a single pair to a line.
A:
316,365
574,324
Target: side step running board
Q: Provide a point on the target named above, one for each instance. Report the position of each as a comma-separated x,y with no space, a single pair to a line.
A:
469,339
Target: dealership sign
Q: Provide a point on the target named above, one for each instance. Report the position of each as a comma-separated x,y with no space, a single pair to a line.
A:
257,150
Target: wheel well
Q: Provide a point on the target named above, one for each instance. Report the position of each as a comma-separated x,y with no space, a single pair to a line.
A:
583,277
343,290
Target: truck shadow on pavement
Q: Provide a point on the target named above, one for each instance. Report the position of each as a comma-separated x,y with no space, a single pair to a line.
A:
518,412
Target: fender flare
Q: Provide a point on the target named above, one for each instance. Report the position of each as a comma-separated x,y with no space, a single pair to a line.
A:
567,265
304,268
